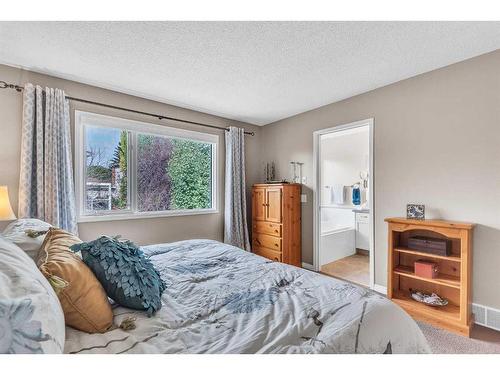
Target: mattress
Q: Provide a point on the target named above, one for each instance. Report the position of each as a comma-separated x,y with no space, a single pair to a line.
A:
221,299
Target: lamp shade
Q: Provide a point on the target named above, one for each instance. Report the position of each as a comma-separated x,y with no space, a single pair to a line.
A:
6,212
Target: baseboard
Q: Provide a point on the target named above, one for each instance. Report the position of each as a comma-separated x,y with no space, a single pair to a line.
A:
380,289
308,266
486,316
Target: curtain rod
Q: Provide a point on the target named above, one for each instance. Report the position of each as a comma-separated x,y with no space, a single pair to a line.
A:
5,85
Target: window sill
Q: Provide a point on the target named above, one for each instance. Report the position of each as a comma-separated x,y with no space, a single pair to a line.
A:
144,215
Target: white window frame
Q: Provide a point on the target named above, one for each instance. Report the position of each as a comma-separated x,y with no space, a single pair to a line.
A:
83,119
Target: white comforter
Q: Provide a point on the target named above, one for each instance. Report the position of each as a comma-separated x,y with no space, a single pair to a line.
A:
221,299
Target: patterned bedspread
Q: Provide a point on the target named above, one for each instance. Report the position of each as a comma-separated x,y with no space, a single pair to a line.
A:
221,299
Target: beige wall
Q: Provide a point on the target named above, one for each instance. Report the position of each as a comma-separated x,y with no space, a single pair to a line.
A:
436,142
142,231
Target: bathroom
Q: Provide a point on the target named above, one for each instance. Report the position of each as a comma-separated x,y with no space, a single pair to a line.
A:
344,167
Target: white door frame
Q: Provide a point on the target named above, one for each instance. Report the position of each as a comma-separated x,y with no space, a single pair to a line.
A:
316,193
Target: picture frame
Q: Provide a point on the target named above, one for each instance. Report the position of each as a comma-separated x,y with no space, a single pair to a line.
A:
415,211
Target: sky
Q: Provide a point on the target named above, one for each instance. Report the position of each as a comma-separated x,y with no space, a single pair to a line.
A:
104,138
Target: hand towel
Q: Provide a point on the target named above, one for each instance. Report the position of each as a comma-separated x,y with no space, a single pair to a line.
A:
338,193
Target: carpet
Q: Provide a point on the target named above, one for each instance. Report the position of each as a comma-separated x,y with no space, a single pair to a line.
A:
444,342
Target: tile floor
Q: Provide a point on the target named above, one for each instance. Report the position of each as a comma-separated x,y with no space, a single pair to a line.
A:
354,268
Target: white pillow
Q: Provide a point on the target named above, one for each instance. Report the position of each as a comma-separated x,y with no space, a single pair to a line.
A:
31,317
16,233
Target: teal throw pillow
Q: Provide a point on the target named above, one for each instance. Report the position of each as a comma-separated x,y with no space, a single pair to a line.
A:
128,277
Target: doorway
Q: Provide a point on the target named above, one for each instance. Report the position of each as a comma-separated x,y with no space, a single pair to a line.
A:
343,202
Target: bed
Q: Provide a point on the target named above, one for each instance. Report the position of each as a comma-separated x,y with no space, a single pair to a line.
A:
221,299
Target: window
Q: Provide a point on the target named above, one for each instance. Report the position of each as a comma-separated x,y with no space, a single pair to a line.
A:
128,169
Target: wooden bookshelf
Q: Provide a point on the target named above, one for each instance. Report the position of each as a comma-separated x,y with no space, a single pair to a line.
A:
453,281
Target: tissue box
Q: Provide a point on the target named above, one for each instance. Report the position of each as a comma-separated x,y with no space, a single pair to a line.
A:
427,269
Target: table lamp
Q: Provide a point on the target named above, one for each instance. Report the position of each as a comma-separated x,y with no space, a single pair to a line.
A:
6,212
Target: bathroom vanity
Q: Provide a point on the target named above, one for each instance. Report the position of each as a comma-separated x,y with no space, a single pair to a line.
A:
362,225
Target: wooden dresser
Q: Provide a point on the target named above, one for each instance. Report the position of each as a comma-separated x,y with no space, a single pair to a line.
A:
453,281
276,223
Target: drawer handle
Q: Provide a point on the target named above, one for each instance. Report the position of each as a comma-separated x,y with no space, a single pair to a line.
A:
276,231
257,240
276,245
276,259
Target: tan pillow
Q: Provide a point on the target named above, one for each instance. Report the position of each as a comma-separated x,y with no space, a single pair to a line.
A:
83,299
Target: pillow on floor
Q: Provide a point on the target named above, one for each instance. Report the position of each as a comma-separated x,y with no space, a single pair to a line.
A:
126,274
31,318
19,233
85,304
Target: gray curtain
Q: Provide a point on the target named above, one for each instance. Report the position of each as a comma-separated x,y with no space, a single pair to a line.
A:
46,189
235,209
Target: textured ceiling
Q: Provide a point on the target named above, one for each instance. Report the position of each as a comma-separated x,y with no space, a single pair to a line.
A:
257,72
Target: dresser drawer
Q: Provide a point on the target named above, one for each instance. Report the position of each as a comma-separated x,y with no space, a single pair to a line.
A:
266,227
273,243
267,253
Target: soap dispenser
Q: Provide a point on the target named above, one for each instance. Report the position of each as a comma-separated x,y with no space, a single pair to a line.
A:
356,195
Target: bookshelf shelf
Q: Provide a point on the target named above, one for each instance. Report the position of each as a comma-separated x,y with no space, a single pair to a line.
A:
446,280
451,258
450,311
